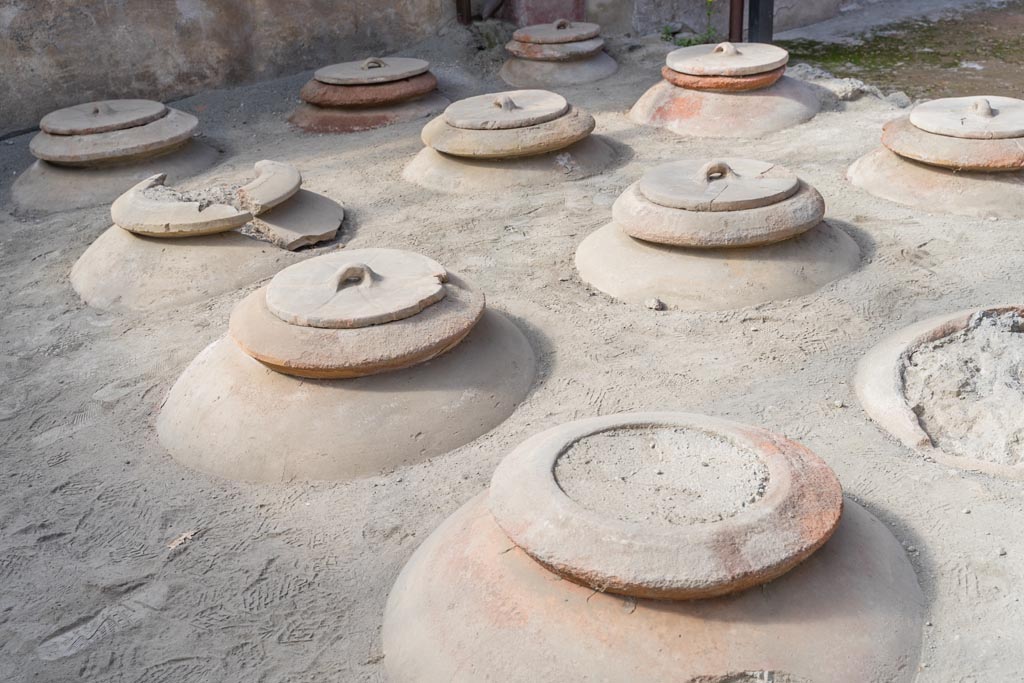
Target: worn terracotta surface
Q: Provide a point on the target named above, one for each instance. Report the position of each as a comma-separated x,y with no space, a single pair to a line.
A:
506,110
462,175
118,146
306,218
46,187
121,271
879,386
723,83
101,117
939,190
230,415
471,606
530,73
718,184
371,70
727,59
978,118
960,154
798,512
356,352
697,113
275,183
137,212
558,52
354,288
350,120
636,271
559,31
549,136
643,219
375,94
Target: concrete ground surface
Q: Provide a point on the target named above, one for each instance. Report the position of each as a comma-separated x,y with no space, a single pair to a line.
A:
120,566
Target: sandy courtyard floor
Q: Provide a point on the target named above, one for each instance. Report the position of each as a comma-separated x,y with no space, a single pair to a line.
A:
120,566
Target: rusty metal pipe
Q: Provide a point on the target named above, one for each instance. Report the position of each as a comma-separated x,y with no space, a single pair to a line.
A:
736,21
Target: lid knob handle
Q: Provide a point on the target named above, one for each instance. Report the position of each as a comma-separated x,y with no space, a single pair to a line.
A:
982,107
726,48
354,274
562,24
713,170
373,63
102,109
505,103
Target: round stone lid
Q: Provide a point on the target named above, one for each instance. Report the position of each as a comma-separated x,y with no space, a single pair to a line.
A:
560,31
371,70
356,288
408,338
505,110
718,185
978,118
665,505
727,59
102,116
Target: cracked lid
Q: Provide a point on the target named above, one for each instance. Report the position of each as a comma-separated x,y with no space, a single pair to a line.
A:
982,118
357,288
560,31
371,70
718,185
505,110
727,59
102,116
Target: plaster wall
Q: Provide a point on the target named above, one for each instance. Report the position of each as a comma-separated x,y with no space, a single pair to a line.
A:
60,52
651,16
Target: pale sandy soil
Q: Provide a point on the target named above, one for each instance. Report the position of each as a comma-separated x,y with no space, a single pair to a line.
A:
967,389
288,583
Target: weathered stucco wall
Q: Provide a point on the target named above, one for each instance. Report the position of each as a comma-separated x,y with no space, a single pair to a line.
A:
651,16
59,52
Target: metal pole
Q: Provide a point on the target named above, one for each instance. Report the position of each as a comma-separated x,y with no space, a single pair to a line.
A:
736,21
762,21
464,11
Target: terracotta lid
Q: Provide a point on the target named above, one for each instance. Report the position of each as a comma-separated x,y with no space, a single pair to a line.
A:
275,183
372,95
155,137
718,185
727,59
723,83
304,219
356,288
505,110
560,31
959,154
665,505
356,313
639,217
510,143
371,70
102,116
555,52
150,208
979,118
